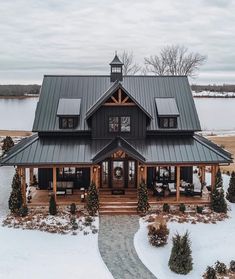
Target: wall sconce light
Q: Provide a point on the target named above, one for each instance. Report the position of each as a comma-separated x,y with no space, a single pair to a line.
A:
94,169
141,168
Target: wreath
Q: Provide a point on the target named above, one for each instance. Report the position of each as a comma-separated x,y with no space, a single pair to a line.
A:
118,172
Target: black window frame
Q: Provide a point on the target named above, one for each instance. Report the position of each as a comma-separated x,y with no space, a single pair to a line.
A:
119,125
162,122
67,120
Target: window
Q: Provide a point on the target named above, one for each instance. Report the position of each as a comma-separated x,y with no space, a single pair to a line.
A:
168,122
113,124
116,69
119,124
125,124
67,123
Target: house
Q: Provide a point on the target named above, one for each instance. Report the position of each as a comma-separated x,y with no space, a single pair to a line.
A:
117,131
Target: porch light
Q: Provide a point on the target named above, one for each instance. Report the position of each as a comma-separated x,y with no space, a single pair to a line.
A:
141,168
94,169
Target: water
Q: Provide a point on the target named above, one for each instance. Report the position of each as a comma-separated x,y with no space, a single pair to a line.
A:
215,114
17,114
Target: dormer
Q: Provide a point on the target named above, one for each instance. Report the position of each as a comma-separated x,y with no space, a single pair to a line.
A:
167,112
68,112
116,69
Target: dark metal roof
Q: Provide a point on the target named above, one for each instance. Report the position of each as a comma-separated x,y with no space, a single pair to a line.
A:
75,150
144,89
68,107
107,94
116,61
117,144
166,107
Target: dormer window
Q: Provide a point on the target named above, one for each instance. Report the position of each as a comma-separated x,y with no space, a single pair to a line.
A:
68,112
67,123
167,112
167,122
116,69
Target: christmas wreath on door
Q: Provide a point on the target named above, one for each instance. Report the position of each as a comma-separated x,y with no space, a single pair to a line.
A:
118,172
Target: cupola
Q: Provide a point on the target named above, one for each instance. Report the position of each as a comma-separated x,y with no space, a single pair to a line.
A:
116,69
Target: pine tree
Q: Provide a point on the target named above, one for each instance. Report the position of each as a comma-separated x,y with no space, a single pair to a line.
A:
16,200
143,204
218,202
7,143
181,261
218,179
231,189
52,205
92,199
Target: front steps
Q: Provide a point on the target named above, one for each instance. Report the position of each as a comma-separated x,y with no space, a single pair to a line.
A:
118,204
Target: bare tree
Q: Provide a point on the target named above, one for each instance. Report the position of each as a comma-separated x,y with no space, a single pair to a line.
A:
174,60
129,66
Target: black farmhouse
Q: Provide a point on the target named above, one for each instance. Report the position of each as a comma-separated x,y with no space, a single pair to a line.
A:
117,130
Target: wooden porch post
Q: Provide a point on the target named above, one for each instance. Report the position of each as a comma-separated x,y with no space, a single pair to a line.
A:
54,182
213,174
31,176
177,183
23,185
203,174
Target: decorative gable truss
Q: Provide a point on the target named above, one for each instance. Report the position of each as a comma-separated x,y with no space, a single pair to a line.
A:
119,98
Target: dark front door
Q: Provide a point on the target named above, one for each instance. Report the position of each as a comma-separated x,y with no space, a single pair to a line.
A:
118,174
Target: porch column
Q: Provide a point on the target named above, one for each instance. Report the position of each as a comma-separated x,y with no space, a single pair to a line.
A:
54,181
203,174
91,174
177,183
23,185
213,174
31,176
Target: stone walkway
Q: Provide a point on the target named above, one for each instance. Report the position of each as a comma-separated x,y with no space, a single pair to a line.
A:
116,245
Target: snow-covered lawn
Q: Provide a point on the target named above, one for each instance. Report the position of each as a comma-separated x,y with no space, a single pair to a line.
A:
210,242
37,255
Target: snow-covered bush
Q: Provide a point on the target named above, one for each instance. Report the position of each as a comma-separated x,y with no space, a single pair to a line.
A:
158,236
220,268
166,207
92,199
16,200
52,205
218,202
23,211
232,266
210,273
73,208
199,209
143,204
231,189
182,207
181,261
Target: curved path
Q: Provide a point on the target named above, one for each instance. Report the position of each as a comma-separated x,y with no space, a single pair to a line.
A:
116,245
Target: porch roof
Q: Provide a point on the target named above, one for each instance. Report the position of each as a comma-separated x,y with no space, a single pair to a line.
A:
155,150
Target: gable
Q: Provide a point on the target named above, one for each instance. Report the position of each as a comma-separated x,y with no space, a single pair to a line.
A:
116,95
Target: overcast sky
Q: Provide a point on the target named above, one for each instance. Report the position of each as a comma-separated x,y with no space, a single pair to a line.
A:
40,37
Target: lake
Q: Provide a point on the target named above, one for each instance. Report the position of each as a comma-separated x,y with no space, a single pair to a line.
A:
216,114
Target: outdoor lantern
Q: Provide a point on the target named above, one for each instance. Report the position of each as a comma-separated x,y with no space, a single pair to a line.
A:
141,168
82,197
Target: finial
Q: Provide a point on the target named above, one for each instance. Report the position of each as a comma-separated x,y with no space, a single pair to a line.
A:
115,52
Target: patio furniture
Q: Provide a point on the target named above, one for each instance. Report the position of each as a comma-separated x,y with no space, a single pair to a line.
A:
158,189
172,188
63,187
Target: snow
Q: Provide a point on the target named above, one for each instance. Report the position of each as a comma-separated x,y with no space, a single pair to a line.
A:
35,254
210,242
214,94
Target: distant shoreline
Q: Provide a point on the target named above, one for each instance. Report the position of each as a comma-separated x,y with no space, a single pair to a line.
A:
18,97
15,133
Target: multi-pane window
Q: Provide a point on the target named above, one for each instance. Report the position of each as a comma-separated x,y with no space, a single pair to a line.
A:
125,124
116,69
67,123
168,122
113,124
119,124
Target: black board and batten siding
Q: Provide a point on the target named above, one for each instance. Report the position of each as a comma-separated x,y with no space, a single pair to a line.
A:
100,120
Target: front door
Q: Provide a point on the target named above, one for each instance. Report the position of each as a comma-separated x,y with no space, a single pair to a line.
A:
118,174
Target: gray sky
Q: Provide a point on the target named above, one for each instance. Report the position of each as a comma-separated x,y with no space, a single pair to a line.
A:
80,36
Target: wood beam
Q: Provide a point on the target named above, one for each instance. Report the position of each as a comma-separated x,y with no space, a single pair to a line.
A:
203,174
121,104
177,183
213,174
124,101
31,170
119,96
115,101
23,185
54,181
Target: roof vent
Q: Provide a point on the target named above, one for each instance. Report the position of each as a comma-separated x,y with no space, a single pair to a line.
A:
116,69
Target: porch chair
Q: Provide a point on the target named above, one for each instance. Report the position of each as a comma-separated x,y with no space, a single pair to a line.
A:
158,189
172,188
